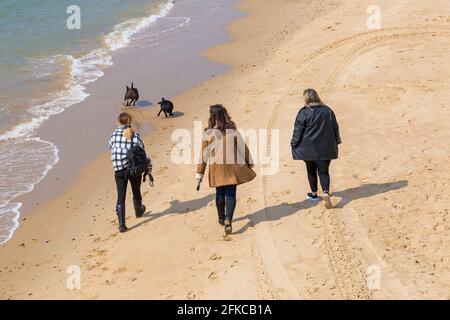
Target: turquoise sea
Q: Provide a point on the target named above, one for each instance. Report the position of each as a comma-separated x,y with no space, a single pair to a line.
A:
44,66
38,52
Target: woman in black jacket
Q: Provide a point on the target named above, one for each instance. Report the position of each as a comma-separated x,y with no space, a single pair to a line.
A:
315,140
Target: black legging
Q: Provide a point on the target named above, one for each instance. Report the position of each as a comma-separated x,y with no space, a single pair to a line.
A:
319,167
122,182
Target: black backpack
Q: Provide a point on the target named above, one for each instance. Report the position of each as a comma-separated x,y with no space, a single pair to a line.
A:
137,160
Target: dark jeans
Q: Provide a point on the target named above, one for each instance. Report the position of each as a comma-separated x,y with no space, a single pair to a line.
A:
226,192
122,182
318,168
226,201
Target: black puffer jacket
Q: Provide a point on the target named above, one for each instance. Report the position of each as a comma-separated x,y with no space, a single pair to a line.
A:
316,134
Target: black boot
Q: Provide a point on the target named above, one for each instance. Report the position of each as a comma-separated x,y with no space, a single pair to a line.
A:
120,210
139,208
220,204
230,206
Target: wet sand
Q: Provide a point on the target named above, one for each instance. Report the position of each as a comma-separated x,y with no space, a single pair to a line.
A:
388,88
168,69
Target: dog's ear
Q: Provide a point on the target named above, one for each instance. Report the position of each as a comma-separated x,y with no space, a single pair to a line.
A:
132,85
127,87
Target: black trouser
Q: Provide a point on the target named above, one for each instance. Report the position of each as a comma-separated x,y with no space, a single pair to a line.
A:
122,182
318,168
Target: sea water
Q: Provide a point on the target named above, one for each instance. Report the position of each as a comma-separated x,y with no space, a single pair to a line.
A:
44,67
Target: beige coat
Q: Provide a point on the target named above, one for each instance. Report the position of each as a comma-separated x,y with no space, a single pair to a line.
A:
229,159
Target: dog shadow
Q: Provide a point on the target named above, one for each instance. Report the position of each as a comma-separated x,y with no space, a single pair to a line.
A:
176,207
177,114
144,103
276,212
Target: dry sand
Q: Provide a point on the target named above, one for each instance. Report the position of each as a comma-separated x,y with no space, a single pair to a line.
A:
389,89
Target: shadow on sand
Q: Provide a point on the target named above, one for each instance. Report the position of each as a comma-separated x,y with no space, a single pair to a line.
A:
144,103
279,211
177,207
177,114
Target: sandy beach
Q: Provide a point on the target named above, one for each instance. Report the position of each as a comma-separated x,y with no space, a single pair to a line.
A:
389,88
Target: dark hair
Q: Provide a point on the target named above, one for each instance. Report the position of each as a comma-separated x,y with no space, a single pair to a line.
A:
311,96
124,119
220,119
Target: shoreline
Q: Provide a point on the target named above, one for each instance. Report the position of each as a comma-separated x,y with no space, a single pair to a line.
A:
32,158
64,132
282,248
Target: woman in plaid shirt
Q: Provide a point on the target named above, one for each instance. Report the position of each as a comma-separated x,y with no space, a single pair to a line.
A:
119,144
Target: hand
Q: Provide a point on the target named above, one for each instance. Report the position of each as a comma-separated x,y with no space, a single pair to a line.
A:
199,177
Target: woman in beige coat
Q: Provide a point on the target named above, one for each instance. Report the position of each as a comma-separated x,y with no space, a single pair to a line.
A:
229,160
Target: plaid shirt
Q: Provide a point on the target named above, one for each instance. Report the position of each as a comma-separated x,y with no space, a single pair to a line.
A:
119,146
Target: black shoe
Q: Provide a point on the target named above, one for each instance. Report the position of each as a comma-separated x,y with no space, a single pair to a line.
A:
120,210
220,204
139,208
228,227
312,197
230,206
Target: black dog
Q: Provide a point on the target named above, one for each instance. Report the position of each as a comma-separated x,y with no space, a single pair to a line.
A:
131,95
166,107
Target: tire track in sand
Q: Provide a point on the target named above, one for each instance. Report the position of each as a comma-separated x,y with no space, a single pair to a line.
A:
346,270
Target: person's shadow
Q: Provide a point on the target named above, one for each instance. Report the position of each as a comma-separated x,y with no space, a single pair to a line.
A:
177,207
279,211
366,190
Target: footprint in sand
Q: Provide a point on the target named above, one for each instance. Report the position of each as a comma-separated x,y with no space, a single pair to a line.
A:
120,270
94,266
101,253
215,256
108,282
213,276
227,238
191,295
251,200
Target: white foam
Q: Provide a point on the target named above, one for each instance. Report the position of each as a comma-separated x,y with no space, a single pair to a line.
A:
149,39
124,32
43,155
9,220
83,70
29,162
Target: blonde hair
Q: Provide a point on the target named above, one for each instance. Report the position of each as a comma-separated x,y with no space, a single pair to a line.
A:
125,119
